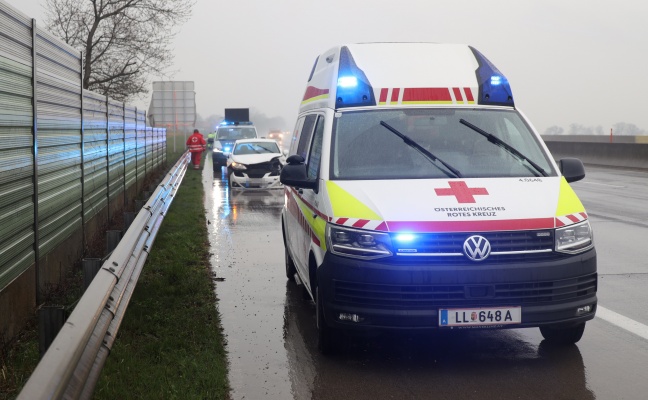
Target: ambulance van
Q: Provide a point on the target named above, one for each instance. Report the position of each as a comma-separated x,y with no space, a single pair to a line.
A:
419,197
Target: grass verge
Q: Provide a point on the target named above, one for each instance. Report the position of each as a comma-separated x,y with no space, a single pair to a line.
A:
170,344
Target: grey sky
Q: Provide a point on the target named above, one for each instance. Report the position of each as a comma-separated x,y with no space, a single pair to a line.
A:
575,61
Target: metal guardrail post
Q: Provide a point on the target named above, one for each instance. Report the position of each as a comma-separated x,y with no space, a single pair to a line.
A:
83,193
50,322
108,156
129,217
112,240
35,156
90,267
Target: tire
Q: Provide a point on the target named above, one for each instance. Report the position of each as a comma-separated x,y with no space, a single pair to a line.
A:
326,336
563,336
231,181
290,266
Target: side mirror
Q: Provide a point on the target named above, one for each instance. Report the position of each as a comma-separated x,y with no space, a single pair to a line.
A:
572,169
284,152
294,174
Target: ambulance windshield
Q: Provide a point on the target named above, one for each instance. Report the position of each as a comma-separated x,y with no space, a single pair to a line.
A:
364,148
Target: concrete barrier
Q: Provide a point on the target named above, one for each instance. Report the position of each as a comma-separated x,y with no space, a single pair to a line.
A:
624,151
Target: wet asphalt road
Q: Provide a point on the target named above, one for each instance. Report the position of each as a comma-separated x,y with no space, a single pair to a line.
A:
271,334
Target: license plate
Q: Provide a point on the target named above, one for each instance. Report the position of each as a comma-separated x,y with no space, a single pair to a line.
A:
480,316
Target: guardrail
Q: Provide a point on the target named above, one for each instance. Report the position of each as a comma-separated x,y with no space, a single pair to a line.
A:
71,367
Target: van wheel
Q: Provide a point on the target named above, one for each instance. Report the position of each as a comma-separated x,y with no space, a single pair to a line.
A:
326,336
563,336
290,266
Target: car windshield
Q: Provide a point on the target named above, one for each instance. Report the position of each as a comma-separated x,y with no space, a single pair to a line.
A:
236,133
256,148
364,146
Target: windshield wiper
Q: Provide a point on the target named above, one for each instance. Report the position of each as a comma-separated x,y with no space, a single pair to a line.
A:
510,149
408,141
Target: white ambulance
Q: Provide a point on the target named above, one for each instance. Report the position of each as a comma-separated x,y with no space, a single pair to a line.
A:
419,197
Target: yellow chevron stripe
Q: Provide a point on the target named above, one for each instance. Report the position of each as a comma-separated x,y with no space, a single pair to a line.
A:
346,205
568,202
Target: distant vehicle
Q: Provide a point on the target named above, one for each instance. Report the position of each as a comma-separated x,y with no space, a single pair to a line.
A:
226,135
276,135
255,164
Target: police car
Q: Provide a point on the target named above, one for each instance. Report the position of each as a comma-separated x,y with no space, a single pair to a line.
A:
226,134
418,196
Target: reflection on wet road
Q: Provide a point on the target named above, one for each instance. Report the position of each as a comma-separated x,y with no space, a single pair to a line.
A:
271,335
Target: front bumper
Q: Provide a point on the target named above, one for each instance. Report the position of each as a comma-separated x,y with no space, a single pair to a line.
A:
390,294
241,180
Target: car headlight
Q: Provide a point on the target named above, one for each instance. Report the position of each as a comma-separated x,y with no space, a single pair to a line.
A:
575,238
358,243
238,166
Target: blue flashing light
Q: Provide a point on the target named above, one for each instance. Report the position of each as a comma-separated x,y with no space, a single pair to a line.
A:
347,81
494,88
353,88
404,237
227,149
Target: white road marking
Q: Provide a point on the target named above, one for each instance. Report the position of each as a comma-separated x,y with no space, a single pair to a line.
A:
619,320
602,184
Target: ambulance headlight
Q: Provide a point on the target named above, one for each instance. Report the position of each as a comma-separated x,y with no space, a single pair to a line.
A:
575,238
357,243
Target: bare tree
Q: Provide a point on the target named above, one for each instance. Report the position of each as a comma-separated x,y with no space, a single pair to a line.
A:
123,41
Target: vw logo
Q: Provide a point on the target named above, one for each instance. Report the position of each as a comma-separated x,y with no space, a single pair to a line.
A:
477,248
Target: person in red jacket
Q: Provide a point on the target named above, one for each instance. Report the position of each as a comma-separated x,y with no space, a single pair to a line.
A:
197,145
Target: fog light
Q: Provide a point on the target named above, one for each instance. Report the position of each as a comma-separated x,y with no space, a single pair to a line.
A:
350,317
583,310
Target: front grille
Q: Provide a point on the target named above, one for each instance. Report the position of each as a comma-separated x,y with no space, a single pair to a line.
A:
522,246
460,295
500,241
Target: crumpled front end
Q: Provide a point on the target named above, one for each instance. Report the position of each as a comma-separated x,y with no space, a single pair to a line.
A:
263,176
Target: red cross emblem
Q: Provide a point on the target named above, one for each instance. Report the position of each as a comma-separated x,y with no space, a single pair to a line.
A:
462,192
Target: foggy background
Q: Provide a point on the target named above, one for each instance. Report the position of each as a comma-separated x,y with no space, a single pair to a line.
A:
575,67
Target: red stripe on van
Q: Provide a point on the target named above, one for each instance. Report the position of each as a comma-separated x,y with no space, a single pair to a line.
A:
312,91
457,93
383,95
469,95
360,223
395,93
426,94
471,226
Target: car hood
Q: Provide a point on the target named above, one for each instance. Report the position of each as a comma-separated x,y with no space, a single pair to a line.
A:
248,159
441,205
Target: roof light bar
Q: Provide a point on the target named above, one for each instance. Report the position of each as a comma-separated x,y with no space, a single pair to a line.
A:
494,88
353,87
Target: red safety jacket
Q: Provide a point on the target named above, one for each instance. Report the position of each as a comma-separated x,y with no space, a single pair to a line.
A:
196,143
